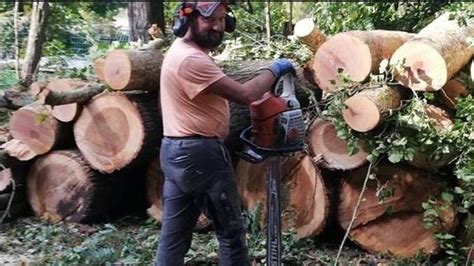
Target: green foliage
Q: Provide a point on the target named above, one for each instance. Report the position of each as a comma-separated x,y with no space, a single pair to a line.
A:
7,78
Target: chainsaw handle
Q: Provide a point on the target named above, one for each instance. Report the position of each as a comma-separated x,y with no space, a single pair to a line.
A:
284,86
246,135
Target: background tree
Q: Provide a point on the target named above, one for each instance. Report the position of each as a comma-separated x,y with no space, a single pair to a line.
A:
39,17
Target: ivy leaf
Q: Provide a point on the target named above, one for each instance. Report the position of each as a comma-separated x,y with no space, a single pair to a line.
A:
395,157
447,196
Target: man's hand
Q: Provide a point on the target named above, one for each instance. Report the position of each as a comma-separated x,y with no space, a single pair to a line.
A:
280,67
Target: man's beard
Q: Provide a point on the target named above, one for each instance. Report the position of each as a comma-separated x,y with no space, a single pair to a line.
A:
208,39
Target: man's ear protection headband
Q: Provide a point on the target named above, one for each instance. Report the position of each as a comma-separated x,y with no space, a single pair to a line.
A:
181,22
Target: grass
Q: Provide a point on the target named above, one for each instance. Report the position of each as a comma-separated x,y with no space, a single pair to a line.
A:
133,240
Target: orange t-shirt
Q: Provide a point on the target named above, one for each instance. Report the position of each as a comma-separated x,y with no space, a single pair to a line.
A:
186,72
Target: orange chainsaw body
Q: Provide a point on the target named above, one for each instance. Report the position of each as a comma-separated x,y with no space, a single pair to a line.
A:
264,114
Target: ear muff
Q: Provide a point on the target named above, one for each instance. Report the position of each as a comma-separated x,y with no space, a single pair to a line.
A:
181,22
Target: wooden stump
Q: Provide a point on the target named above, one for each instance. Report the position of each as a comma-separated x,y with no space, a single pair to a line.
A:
329,150
133,69
434,55
118,130
65,112
62,187
367,109
393,224
36,127
357,53
305,201
154,191
308,33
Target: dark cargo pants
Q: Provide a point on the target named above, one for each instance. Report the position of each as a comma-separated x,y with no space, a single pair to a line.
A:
199,178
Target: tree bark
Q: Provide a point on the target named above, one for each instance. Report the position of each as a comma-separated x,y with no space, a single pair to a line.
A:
117,130
65,112
356,53
329,150
308,33
389,219
367,109
62,187
133,69
434,55
36,37
451,90
305,201
268,22
138,17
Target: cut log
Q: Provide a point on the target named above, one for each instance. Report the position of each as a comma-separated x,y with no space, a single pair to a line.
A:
133,69
62,187
65,112
389,218
154,191
305,201
451,90
426,159
367,109
98,66
308,33
36,127
434,55
329,150
19,150
118,130
357,53
38,86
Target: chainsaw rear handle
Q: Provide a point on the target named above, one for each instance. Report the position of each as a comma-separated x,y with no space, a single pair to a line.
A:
247,134
284,85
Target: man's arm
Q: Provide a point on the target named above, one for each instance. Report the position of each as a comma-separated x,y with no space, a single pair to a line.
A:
253,89
245,93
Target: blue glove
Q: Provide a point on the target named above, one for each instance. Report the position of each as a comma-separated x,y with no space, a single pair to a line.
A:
280,67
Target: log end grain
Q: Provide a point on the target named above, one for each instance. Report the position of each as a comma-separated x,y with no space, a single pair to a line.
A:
65,112
117,69
345,52
419,66
109,132
308,33
35,127
324,144
361,114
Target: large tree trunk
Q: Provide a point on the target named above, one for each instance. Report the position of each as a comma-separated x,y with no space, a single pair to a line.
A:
357,53
36,37
62,187
305,199
118,130
157,15
133,69
138,17
434,55
37,128
393,224
268,22
308,33
367,109
329,150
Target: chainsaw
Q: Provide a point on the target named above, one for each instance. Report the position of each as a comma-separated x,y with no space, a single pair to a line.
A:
277,129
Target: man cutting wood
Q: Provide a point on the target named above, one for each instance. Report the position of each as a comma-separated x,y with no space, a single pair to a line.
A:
194,93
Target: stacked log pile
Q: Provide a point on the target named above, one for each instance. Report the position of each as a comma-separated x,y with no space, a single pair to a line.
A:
89,146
